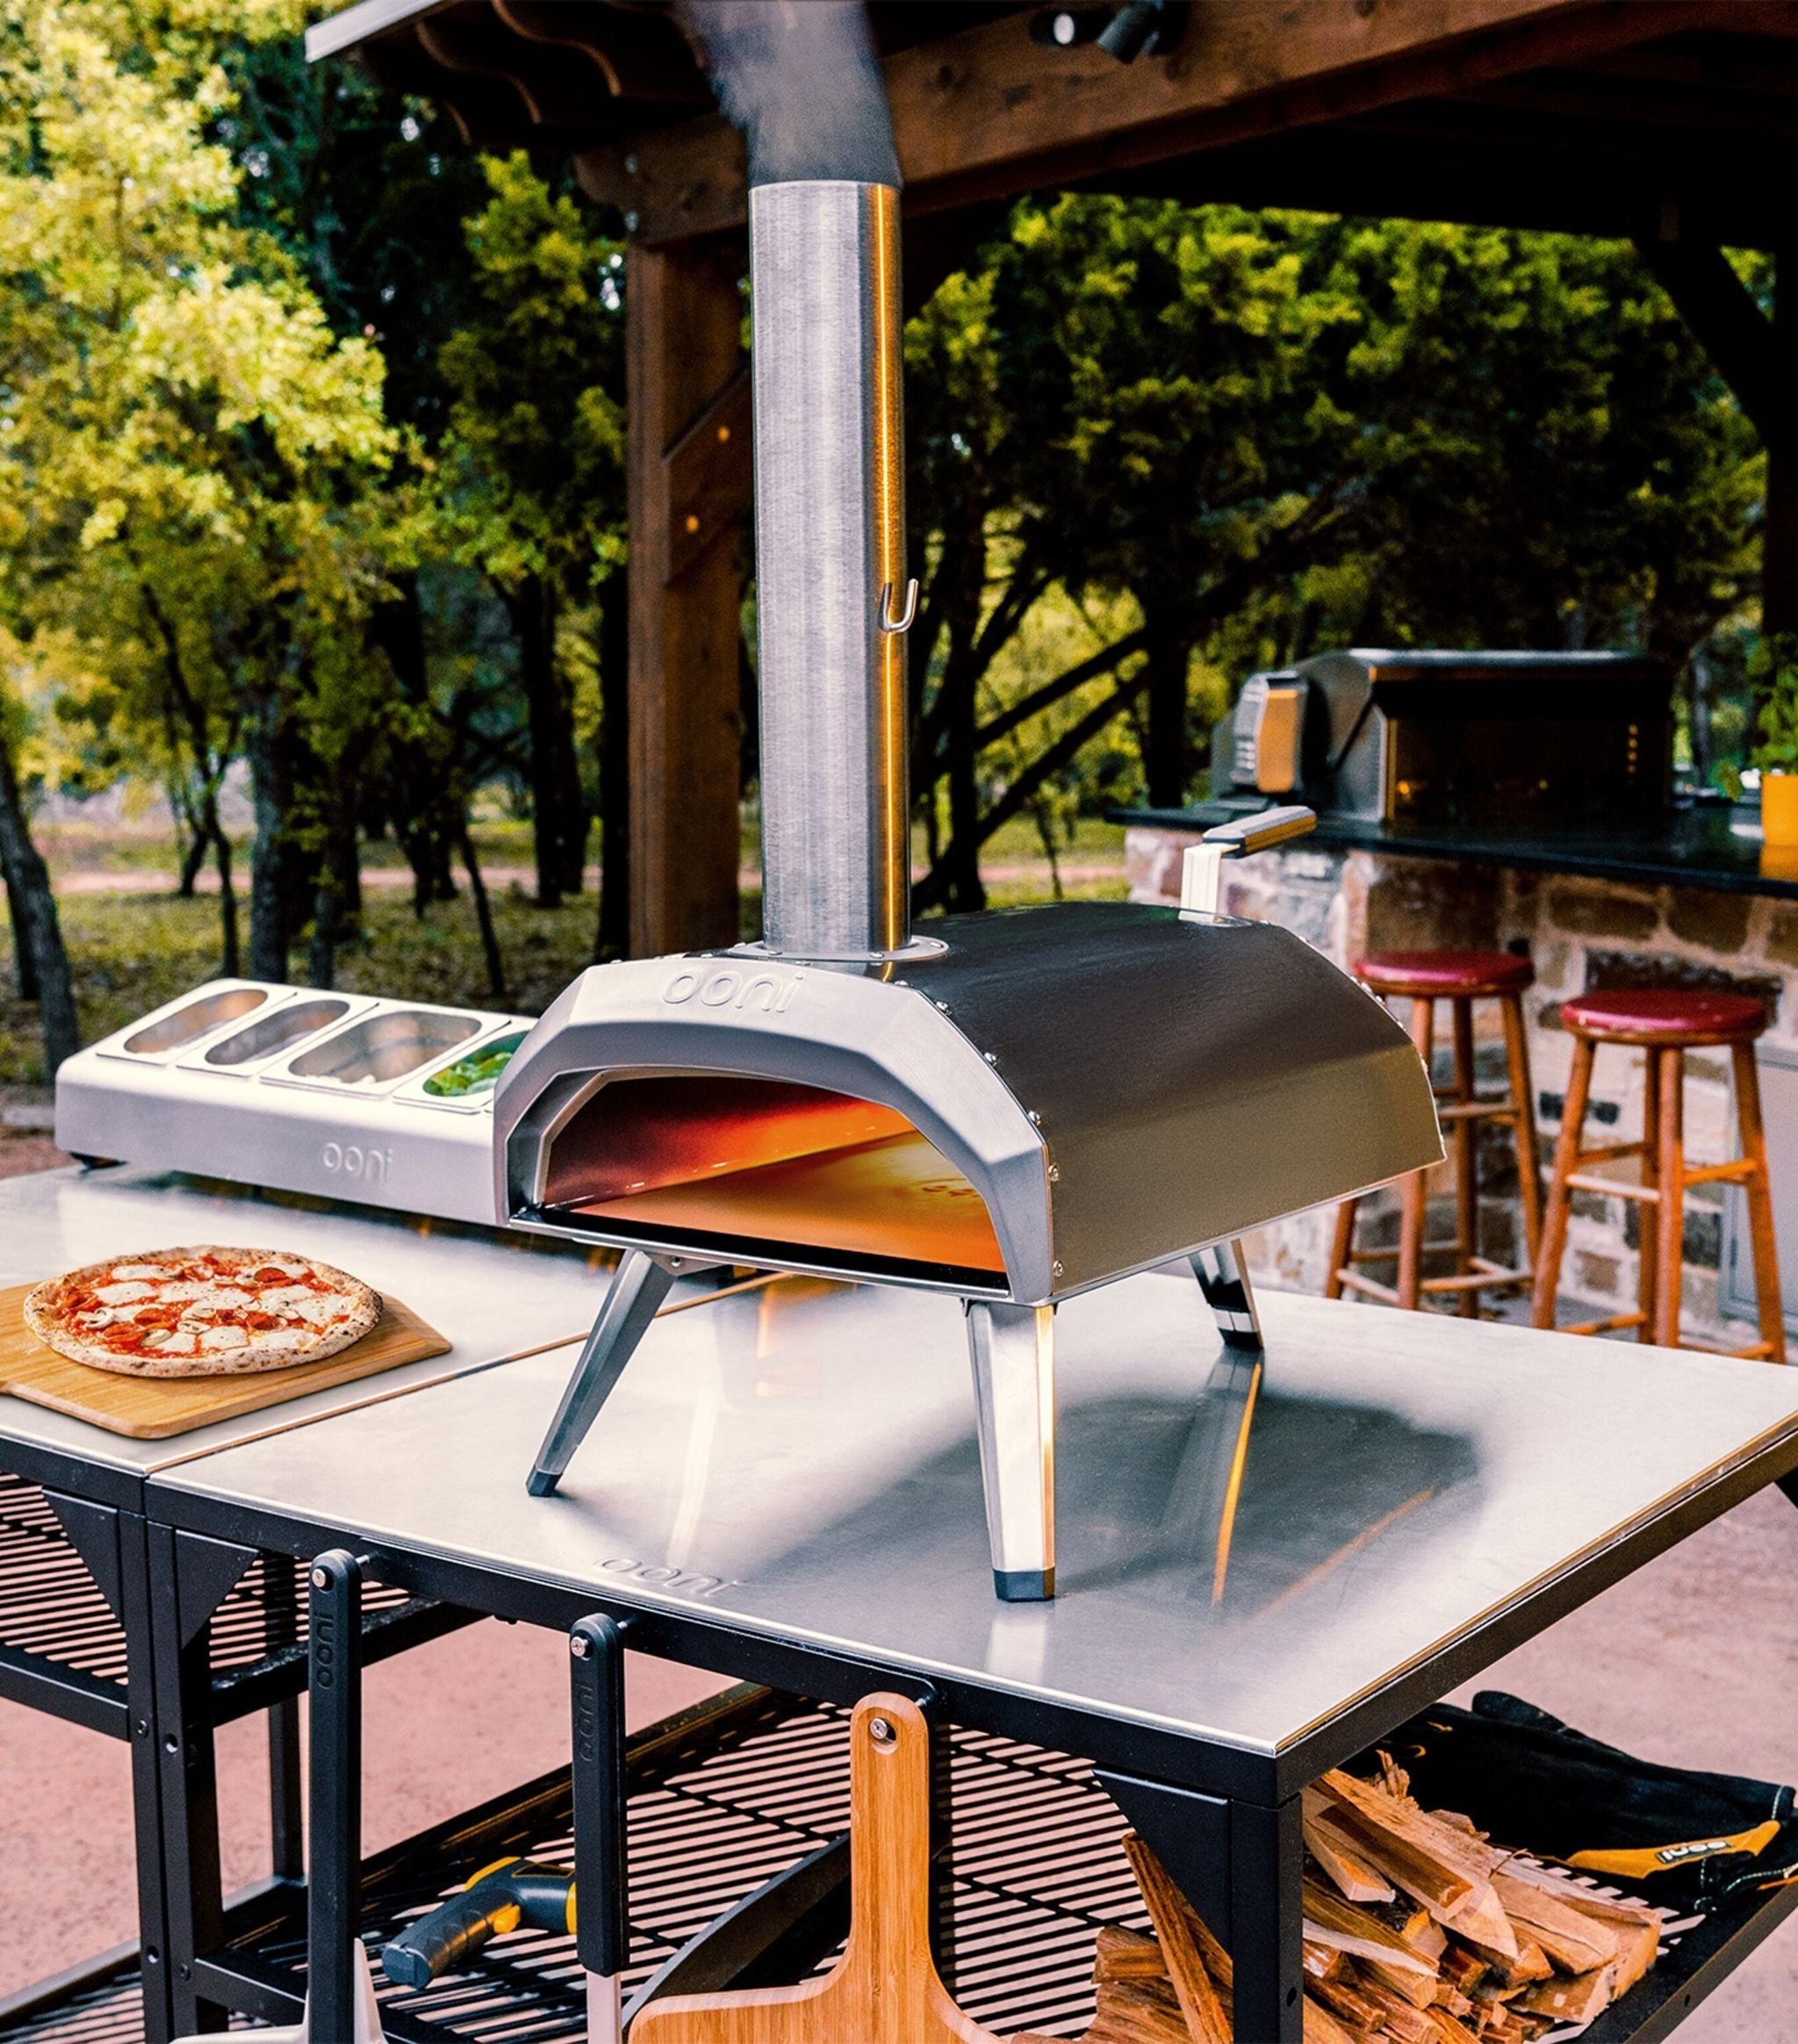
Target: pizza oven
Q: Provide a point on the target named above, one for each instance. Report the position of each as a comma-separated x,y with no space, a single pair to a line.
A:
1012,1107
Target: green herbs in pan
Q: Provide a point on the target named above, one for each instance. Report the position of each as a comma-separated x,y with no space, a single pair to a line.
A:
474,1074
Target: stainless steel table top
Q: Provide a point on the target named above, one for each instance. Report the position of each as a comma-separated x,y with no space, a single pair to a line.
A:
1239,1568
489,1297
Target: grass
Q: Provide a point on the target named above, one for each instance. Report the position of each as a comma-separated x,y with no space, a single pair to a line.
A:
133,952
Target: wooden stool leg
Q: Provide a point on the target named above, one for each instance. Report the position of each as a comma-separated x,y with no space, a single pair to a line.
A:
1523,1098
1672,1230
1342,1250
1647,1215
1554,1226
1466,1155
1768,1298
1413,1197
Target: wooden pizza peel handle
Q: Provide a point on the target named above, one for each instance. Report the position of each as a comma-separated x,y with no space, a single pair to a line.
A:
885,1990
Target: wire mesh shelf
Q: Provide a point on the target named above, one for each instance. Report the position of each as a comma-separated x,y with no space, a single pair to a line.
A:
53,1615
722,1801
55,1620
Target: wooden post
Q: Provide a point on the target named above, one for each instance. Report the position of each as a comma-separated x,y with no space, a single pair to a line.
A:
683,315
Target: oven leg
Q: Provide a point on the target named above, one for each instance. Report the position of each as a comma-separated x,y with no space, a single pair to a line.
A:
1222,1272
1012,1348
637,1293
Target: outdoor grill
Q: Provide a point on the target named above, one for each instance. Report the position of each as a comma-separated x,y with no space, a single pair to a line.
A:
1443,737
1016,1108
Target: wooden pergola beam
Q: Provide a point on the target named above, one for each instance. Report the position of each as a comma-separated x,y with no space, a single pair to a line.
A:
683,314
1726,323
989,112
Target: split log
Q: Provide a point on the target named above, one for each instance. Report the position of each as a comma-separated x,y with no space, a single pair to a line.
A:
1579,2000
1341,1926
1180,1953
1575,1942
1335,1851
1127,1956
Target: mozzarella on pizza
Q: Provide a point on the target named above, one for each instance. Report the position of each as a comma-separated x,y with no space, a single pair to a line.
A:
202,1312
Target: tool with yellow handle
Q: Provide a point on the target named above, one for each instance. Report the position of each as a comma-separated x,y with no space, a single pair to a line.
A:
510,1895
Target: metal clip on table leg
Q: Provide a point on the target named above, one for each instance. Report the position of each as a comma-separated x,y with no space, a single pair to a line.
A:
602,1922
638,1287
340,2007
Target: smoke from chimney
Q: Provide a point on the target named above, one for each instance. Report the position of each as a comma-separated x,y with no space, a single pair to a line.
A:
799,78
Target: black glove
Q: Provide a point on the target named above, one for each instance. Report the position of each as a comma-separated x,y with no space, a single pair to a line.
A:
1687,1839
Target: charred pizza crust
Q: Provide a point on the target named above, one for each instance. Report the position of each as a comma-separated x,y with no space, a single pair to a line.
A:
205,1311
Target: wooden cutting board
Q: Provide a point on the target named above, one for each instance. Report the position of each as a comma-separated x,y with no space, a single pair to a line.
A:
152,1408
885,1990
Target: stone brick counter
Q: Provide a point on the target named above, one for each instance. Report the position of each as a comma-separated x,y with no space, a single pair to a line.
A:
1581,932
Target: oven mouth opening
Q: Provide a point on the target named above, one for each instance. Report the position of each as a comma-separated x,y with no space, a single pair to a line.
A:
772,1171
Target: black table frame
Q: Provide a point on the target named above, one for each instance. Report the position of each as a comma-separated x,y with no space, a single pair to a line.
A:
168,1707
1227,1823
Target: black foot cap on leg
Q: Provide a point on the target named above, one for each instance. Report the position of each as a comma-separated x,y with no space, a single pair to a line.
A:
1024,1585
542,1483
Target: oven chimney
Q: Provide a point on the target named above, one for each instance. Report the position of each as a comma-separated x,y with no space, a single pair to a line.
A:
833,598
831,594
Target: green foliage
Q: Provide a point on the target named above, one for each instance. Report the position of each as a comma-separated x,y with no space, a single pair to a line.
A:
1772,667
532,467
1239,437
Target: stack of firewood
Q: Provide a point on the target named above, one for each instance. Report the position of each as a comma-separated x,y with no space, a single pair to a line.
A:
1417,1930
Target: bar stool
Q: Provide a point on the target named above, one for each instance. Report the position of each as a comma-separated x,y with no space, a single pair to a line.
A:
1664,1023
1460,978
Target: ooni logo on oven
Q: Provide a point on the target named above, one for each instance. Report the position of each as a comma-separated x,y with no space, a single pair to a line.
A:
729,987
356,1160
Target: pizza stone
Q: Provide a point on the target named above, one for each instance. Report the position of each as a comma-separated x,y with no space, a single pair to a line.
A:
202,1312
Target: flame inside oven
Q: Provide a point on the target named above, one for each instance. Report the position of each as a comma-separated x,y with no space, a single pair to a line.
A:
716,1158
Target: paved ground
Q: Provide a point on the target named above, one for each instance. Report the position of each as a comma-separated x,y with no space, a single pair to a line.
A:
1694,1662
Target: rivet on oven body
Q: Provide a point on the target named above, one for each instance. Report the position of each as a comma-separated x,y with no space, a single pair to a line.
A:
1054,1174
1060,1270
991,1056
1036,1119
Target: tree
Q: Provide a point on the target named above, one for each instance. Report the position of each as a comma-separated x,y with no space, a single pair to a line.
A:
193,465
1232,436
531,466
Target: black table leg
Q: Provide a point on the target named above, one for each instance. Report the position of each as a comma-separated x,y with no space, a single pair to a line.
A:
146,1784
186,1774
601,1870
334,1872
1266,1859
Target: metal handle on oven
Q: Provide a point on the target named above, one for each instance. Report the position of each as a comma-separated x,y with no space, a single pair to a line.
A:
1202,869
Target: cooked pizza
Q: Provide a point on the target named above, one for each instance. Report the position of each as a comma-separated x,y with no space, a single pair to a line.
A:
201,1313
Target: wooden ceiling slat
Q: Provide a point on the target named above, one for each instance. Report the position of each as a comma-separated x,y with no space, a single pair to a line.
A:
1751,65
488,113
1569,96
643,54
474,40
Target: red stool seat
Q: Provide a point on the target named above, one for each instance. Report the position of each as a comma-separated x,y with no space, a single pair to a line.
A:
1665,1015
1444,975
